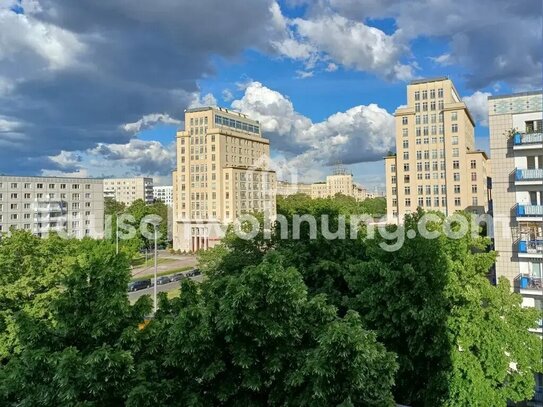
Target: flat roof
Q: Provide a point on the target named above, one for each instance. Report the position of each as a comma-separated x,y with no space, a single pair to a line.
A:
426,80
51,177
218,109
509,95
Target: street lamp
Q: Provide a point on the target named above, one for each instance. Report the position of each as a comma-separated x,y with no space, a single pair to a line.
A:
117,231
155,222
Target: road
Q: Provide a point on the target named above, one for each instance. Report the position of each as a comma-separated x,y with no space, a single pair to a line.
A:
133,296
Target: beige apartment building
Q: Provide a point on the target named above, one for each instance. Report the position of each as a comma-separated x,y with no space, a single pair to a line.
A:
341,182
222,173
127,190
163,193
436,165
69,206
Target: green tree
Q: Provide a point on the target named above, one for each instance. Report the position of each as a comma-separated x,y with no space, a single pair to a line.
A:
256,338
460,341
81,354
113,207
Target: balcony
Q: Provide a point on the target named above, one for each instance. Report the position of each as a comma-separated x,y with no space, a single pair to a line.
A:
527,284
530,248
530,213
529,176
527,141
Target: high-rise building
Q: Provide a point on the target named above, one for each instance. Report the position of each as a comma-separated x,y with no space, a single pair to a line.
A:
127,190
163,193
222,172
516,145
70,206
436,165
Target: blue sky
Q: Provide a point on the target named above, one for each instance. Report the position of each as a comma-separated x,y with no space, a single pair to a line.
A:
91,90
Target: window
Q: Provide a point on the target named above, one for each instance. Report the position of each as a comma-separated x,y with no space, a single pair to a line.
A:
407,201
474,189
456,176
440,93
420,190
426,154
428,189
417,95
421,201
424,106
432,105
419,167
406,155
457,189
432,93
417,119
404,132
425,119
425,94
418,141
417,107
454,128
406,167
419,155
456,164
455,140
474,201
454,116
434,130
405,144
418,132
393,179
39,186
428,201
407,190
394,191
436,191
474,176
406,179
404,120
473,164
393,168
457,201
456,152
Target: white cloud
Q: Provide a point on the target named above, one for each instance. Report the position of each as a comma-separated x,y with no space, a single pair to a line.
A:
81,173
7,125
143,157
360,134
22,34
331,67
478,106
67,159
198,101
147,121
347,42
304,74
227,95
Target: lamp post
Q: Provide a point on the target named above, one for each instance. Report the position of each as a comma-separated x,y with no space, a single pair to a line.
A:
117,232
155,222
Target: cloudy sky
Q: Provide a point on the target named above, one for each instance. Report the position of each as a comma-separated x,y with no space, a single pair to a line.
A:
98,88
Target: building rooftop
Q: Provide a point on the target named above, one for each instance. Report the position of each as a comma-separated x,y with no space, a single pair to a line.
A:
509,95
426,80
217,108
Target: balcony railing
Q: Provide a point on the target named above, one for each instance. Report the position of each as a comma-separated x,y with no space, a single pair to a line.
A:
530,246
527,138
529,210
528,282
529,174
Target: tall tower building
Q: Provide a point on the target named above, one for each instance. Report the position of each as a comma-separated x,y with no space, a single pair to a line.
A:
436,165
222,172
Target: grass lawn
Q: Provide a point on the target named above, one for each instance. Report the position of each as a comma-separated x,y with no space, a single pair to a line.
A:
151,273
174,293
140,261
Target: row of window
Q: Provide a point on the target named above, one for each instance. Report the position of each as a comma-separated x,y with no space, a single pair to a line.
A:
436,201
40,185
194,121
432,94
440,106
27,195
436,188
236,124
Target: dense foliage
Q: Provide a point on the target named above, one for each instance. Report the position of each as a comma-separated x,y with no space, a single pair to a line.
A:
293,321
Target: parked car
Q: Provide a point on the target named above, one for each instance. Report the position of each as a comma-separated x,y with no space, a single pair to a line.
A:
163,280
178,277
194,273
139,285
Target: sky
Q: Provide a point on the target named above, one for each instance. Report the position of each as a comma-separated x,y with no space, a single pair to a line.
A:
98,89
